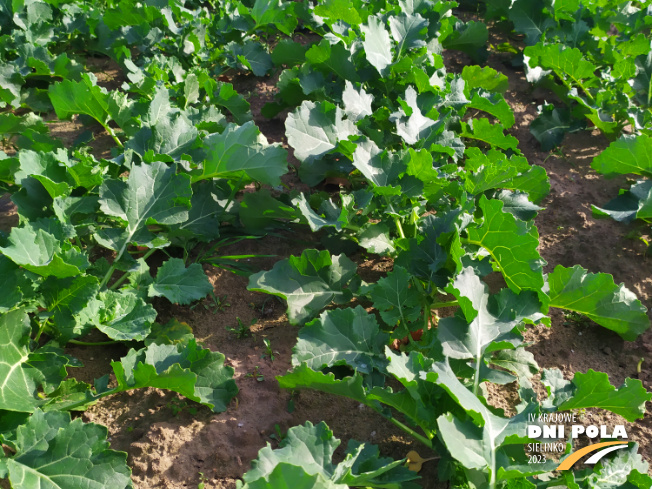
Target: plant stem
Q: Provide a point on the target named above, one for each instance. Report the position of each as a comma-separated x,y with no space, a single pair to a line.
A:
93,343
399,227
112,134
107,277
41,329
124,277
411,432
437,305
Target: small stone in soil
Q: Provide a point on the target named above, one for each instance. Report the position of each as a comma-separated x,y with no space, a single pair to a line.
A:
606,350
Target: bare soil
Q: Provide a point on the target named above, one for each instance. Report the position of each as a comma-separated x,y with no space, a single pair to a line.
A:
171,442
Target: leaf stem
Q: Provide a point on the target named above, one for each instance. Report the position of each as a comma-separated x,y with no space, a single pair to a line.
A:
399,227
411,432
112,134
437,305
93,343
124,277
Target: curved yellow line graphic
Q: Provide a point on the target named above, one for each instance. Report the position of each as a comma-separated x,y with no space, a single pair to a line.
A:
574,457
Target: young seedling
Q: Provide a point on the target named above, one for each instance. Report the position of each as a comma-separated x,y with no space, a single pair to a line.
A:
268,350
256,374
241,330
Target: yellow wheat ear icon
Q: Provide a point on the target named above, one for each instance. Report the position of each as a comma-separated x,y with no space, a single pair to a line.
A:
574,457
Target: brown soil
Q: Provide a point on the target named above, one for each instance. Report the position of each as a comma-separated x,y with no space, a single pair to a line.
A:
169,446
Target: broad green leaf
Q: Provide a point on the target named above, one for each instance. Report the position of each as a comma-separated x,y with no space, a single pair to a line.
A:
276,12
288,52
630,204
593,389
328,214
332,58
490,320
597,296
83,97
122,315
308,282
495,105
195,372
204,216
551,126
48,168
53,452
377,44
567,63
153,193
493,170
484,77
627,155
491,134
338,10
342,336
250,55
36,249
627,466
470,37
302,377
242,152
512,244
417,125
231,100
24,374
305,457
529,18
396,300
357,102
315,129
179,284
408,31
380,167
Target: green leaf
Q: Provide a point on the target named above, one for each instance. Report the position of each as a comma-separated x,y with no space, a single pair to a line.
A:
493,170
25,374
315,129
530,18
627,155
242,153
332,58
38,250
380,167
512,244
302,377
626,466
338,10
377,44
195,372
597,296
551,126
491,134
308,282
342,337
495,105
179,284
288,52
83,97
396,300
408,31
123,315
357,102
251,55
417,125
153,193
470,37
593,389
204,216
484,77
485,320
305,457
53,452
235,103
567,63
